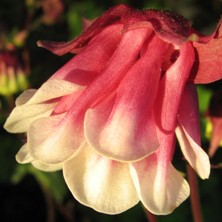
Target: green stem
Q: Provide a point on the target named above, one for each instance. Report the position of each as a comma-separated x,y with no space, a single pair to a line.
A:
194,195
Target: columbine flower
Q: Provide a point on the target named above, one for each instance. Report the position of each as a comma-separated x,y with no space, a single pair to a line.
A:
108,117
12,75
214,125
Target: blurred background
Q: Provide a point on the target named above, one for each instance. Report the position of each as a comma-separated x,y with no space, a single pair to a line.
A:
27,194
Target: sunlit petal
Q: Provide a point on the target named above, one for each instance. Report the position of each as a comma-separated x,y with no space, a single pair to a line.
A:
49,139
100,183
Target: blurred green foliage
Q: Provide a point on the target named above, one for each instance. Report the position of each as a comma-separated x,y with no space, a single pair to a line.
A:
27,194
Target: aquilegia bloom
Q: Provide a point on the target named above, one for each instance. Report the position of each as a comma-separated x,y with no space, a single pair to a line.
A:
214,114
108,117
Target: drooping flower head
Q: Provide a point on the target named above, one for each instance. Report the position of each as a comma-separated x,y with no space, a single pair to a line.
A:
108,118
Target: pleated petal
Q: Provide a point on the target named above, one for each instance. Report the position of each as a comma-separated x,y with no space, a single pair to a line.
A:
22,116
100,183
122,127
171,88
161,190
188,132
105,84
52,141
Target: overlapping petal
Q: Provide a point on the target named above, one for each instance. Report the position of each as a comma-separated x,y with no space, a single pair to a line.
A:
171,88
85,67
32,105
122,127
49,138
99,182
160,187
23,156
108,117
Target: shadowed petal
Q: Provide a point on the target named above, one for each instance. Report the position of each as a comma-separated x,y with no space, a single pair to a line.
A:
100,183
170,27
171,88
23,155
83,68
25,97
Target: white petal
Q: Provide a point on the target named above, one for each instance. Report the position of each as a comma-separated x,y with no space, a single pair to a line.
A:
100,183
47,167
53,139
160,192
25,97
22,116
193,153
54,88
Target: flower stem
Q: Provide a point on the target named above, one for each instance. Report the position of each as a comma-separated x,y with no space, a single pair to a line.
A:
150,217
194,195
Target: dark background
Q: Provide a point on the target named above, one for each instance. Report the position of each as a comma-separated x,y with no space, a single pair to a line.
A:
27,194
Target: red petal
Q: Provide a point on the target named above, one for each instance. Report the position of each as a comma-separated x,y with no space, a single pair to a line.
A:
208,65
112,16
171,88
124,128
188,113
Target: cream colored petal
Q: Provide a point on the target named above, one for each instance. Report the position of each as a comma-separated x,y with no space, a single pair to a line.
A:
21,117
25,97
160,192
23,155
47,167
54,88
54,139
99,182
193,153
